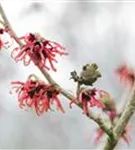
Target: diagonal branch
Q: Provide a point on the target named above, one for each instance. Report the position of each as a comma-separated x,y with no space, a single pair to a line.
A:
122,122
97,119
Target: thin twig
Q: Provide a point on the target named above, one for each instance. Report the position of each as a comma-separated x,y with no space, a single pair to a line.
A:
8,26
98,120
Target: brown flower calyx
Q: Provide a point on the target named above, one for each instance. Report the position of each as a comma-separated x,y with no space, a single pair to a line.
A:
88,75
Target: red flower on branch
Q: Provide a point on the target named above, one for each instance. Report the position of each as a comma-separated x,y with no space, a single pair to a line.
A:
124,135
38,50
126,74
90,98
111,114
1,42
37,95
100,134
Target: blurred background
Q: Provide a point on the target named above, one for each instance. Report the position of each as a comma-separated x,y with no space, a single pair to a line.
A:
101,32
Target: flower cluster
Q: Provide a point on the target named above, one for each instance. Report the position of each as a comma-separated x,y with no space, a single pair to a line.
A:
125,137
38,50
126,74
90,98
37,95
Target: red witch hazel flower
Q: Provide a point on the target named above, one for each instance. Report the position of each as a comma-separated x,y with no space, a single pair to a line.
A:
126,74
125,137
37,95
1,42
110,106
111,113
99,135
38,50
90,98
5,42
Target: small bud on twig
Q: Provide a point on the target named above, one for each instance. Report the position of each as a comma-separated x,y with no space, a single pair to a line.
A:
88,75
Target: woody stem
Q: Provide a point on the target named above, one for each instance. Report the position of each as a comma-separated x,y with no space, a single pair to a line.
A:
122,122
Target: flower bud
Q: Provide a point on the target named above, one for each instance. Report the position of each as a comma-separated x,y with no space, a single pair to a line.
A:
89,74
